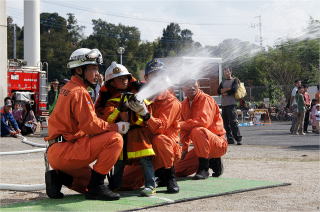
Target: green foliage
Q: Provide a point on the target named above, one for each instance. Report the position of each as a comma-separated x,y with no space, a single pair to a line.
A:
272,71
19,39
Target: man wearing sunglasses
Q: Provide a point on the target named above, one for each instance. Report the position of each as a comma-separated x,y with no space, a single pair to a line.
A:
77,137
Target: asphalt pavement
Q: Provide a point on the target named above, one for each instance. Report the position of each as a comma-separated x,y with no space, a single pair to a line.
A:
277,134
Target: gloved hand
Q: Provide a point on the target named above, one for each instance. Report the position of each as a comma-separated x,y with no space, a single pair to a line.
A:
123,127
122,105
138,107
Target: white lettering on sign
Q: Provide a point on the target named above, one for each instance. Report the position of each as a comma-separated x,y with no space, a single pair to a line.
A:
30,80
14,77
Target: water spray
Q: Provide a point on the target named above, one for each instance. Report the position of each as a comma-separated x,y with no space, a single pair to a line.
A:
178,70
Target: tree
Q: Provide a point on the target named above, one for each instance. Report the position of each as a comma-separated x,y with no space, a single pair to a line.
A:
56,44
109,37
19,39
75,31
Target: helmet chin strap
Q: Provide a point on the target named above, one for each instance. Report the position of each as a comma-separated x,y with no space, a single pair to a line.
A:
93,86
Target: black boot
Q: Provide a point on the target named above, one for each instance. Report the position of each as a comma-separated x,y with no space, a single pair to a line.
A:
203,170
172,185
115,178
161,179
97,190
217,166
53,184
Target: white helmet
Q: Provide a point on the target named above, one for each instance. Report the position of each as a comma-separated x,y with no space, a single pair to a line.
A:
85,56
115,70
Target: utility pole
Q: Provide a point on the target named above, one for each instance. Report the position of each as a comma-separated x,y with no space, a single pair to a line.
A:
14,42
121,51
259,25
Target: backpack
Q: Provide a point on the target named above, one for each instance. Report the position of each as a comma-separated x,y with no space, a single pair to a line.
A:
241,91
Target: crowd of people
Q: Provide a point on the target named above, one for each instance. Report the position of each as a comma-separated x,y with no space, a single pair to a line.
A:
304,110
17,118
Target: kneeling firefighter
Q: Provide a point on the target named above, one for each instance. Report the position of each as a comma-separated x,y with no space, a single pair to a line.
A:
77,137
111,106
163,123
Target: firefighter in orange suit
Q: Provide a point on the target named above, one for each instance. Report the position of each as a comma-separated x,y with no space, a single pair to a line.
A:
203,126
111,106
164,126
77,137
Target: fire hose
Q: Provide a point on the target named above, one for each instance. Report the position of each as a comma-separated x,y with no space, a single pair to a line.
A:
21,187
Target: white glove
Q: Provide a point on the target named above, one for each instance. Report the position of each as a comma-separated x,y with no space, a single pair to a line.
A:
123,127
138,107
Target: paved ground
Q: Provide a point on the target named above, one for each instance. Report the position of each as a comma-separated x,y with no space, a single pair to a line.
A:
268,153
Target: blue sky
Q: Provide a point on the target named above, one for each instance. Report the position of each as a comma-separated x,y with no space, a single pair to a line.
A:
210,21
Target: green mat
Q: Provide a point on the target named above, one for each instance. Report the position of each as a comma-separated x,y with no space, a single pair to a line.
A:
189,190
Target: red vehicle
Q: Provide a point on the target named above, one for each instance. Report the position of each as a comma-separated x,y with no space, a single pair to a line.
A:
28,84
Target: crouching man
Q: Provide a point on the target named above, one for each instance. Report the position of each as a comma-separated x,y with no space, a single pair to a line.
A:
77,137
202,125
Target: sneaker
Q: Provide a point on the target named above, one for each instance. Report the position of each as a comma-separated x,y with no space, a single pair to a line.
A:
148,191
302,133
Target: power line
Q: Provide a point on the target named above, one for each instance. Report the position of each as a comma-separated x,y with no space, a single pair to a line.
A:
142,19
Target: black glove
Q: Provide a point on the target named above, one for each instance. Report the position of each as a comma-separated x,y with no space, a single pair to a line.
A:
122,105
137,85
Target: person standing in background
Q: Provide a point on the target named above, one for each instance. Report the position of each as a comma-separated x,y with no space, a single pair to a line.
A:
317,95
308,108
53,95
301,109
293,104
227,89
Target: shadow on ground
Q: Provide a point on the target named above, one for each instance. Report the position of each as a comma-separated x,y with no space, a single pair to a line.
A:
305,147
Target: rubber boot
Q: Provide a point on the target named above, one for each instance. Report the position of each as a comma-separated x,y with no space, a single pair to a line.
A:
172,185
53,185
161,180
217,166
203,170
97,190
115,178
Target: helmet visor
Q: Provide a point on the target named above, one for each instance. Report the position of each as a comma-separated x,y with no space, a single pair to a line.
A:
94,55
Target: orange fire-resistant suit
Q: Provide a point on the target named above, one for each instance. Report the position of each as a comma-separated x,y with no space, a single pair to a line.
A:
139,137
202,125
87,138
164,125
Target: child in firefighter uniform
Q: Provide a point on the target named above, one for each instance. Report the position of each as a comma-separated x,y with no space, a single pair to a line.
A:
83,137
202,125
163,123
111,106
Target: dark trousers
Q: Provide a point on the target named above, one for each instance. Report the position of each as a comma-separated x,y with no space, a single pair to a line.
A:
306,121
230,122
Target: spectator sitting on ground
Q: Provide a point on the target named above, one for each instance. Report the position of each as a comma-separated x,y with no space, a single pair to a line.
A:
17,113
29,123
9,126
